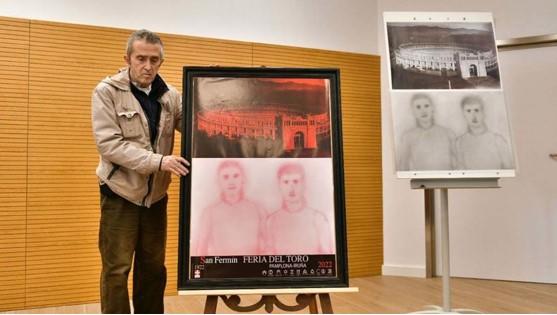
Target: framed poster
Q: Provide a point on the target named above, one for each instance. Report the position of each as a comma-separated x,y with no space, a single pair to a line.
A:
449,114
263,205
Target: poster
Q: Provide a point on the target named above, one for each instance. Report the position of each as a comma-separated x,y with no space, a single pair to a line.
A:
263,205
449,114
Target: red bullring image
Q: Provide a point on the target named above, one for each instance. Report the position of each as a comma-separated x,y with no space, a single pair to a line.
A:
261,117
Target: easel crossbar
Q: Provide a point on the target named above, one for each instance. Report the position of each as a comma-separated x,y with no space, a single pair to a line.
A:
268,291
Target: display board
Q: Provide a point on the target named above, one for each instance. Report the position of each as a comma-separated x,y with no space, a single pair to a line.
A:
263,206
448,107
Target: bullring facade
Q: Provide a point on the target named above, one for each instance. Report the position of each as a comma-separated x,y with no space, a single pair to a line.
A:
446,60
294,129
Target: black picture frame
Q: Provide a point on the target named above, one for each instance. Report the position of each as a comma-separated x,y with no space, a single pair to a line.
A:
190,150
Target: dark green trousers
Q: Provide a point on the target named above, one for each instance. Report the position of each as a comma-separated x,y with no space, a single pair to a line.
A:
130,233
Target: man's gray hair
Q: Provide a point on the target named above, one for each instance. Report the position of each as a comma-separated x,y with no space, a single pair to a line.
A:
146,35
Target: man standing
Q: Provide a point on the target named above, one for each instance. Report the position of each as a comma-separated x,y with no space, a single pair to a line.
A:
427,146
134,114
479,148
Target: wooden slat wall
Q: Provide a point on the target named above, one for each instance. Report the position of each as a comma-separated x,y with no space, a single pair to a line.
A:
361,122
14,74
66,63
50,208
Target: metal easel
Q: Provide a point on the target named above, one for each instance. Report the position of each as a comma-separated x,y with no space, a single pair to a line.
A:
436,190
441,187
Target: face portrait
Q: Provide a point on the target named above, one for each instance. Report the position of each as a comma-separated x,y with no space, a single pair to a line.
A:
474,114
292,187
144,62
231,179
422,108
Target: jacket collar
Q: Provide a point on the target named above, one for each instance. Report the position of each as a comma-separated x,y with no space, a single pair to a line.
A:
121,81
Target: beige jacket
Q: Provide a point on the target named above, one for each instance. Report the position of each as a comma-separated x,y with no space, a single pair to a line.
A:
129,165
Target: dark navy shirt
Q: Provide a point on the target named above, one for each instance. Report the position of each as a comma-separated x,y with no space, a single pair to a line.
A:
150,104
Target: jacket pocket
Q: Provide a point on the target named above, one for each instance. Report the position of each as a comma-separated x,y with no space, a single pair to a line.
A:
130,123
115,167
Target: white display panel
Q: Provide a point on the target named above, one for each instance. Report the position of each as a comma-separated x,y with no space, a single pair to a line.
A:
448,107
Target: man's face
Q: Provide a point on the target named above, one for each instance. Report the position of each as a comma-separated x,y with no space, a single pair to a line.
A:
474,114
231,179
292,187
144,62
422,108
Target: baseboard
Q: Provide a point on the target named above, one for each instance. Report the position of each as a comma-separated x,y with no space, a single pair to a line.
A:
404,270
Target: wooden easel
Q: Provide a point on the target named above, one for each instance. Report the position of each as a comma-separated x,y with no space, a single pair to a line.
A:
305,298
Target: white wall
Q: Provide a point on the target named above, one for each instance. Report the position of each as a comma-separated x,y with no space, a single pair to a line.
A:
344,25
507,233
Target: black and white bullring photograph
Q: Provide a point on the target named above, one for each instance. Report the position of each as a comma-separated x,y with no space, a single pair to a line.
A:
446,131
443,55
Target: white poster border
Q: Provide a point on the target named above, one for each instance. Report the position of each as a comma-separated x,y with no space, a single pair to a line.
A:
447,17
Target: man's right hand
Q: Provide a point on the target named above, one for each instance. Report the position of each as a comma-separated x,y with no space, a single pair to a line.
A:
175,164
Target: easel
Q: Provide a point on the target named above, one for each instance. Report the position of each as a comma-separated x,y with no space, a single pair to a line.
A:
441,200
305,298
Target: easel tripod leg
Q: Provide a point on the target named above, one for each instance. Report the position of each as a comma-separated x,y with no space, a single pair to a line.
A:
313,304
326,305
211,304
446,262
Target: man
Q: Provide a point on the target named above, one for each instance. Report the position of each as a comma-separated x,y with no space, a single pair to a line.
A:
427,146
134,114
479,148
296,228
233,225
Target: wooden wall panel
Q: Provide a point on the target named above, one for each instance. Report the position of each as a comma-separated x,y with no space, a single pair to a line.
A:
361,120
14,74
50,209
66,63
